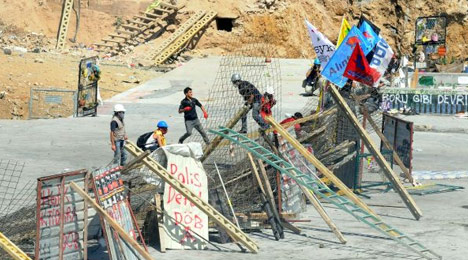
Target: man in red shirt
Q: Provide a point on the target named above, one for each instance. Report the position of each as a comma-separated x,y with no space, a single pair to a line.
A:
297,127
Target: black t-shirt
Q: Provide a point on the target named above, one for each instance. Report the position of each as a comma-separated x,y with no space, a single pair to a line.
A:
246,89
192,114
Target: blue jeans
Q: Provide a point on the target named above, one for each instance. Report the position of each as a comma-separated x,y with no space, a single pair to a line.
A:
120,155
256,116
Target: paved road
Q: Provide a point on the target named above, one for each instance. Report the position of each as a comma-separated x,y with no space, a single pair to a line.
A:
52,146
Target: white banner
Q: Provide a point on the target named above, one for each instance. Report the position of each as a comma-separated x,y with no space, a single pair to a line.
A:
323,47
383,54
184,223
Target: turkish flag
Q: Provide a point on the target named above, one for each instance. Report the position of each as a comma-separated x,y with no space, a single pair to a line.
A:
358,68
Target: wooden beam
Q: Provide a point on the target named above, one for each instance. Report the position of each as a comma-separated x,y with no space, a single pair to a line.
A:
319,165
131,27
217,140
135,160
269,193
204,206
160,218
111,222
387,144
387,170
318,206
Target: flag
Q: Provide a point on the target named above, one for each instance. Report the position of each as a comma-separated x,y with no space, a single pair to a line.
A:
358,68
363,19
383,54
344,30
371,36
323,47
337,64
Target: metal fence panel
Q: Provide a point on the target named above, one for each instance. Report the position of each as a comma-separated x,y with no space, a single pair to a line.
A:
51,103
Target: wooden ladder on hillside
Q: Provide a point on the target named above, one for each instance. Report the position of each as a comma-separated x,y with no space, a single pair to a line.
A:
184,37
138,29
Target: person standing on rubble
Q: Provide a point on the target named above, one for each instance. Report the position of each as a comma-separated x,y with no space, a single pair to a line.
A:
188,107
252,98
118,135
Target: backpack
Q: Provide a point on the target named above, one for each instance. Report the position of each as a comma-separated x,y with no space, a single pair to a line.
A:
141,141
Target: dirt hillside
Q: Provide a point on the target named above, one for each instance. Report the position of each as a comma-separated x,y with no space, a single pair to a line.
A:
29,27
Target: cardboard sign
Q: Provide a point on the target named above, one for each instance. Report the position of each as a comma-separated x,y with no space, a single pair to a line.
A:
61,217
112,196
184,223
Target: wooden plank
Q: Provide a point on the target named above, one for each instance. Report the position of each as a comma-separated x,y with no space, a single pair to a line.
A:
112,40
319,165
132,27
125,32
163,10
166,5
138,23
318,206
151,15
217,140
144,18
135,161
119,36
160,217
204,206
387,170
111,222
104,45
387,144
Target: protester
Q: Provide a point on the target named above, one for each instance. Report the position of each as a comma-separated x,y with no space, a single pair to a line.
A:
157,139
312,76
252,98
297,127
188,107
118,135
267,102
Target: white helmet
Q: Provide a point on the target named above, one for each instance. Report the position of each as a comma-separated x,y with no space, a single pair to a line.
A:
270,90
119,108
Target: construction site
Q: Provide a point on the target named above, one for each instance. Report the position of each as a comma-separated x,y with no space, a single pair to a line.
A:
325,129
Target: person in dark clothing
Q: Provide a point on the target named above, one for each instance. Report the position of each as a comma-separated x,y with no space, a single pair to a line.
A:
188,107
118,135
312,77
252,98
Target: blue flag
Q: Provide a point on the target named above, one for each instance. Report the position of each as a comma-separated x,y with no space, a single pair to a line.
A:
335,68
369,33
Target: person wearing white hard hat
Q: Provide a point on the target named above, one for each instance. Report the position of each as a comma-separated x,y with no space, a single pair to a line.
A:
267,102
118,135
252,98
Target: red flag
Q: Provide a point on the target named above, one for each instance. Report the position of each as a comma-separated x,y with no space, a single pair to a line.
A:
358,68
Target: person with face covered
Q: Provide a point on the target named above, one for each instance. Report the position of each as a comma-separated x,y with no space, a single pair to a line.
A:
118,135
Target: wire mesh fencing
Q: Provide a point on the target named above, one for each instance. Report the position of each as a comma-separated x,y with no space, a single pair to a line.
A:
51,103
17,206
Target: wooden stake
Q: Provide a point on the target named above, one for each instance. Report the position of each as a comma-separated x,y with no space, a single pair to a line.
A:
160,218
389,173
320,167
111,222
387,144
